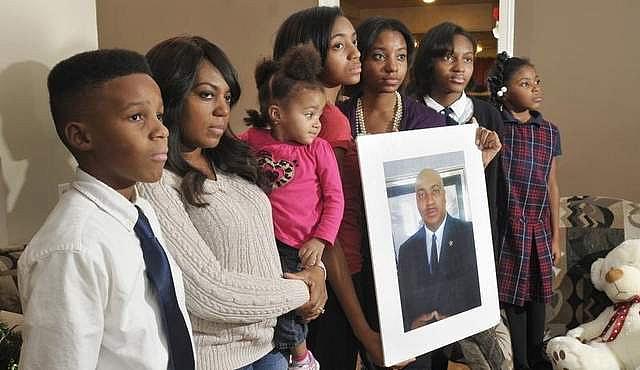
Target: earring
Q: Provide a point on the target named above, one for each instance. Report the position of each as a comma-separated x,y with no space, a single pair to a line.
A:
502,91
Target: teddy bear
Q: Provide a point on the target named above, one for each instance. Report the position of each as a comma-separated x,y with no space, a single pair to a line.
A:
612,340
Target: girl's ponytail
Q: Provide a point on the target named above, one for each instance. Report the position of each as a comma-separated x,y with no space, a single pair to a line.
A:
502,72
278,80
496,79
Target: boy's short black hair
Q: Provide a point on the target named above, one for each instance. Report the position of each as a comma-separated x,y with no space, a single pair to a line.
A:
71,80
436,43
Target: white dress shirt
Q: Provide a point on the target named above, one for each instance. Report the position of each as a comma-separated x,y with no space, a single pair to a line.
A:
462,108
439,231
87,301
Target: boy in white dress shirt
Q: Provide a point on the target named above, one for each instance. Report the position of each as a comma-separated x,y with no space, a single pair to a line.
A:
97,288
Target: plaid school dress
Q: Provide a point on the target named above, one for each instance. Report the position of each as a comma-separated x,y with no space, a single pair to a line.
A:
525,259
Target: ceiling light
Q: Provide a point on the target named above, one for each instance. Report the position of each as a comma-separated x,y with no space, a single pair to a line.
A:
428,1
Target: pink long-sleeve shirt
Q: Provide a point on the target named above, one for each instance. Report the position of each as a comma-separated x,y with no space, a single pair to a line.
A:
306,190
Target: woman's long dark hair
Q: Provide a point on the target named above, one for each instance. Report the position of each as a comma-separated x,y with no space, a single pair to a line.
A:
174,63
308,25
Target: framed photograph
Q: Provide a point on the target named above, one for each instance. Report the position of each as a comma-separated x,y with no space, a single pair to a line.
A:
430,238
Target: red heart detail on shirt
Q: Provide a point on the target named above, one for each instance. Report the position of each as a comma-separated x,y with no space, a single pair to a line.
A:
278,173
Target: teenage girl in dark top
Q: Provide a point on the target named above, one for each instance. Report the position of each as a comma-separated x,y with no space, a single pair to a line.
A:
440,73
442,70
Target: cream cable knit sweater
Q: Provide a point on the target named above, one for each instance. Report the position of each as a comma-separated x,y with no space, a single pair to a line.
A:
230,267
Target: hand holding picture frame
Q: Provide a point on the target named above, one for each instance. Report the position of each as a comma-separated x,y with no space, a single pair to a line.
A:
430,238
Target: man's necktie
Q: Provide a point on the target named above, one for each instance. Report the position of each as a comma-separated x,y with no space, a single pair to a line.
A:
447,113
159,273
433,265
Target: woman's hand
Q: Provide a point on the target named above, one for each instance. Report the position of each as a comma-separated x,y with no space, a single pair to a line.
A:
373,345
489,143
314,278
422,320
402,365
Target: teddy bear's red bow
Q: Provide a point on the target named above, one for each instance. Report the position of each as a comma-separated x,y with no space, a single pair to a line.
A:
619,315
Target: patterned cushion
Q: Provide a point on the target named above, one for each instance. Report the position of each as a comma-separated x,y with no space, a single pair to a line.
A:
590,227
9,298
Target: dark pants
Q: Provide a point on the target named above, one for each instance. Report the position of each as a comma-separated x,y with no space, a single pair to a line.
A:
330,336
526,324
290,331
434,360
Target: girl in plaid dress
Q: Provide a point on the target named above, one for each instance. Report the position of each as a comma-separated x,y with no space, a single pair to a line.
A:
530,233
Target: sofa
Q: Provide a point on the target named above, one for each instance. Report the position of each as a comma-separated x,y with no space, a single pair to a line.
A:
9,298
590,226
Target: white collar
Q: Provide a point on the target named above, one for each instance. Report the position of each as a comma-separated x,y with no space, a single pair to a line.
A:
462,107
439,231
431,103
107,198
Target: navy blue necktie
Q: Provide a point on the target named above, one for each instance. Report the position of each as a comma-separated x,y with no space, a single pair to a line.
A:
447,112
433,265
159,273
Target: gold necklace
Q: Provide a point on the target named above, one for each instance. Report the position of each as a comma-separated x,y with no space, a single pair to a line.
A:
361,128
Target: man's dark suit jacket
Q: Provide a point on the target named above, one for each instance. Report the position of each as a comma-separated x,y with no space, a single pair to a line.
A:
453,288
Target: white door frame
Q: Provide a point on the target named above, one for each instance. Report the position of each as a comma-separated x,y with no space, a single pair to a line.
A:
505,26
328,2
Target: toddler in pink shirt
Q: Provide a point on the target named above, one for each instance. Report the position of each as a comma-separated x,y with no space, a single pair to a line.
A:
300,173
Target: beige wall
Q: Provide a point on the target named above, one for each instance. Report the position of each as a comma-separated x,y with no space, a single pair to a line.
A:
34,35
587,53
244,29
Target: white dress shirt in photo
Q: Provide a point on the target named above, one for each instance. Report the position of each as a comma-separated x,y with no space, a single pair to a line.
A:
429,235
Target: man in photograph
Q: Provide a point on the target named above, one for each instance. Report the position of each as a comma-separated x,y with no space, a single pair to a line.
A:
437,269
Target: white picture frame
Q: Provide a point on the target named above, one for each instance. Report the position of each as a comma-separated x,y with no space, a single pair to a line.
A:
389,164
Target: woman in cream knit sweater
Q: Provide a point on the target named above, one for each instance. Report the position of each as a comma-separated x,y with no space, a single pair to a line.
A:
216,220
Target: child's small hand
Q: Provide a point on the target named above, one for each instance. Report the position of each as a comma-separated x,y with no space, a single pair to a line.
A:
489,143
311,252
555,252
